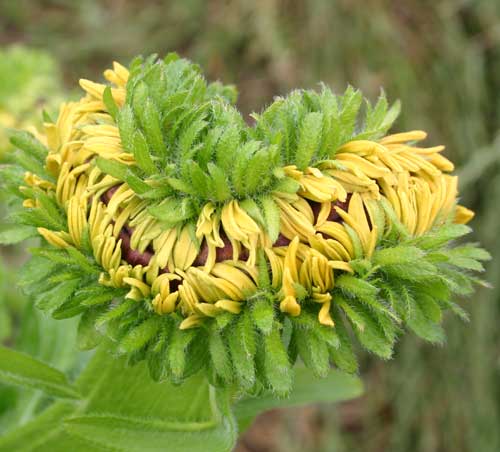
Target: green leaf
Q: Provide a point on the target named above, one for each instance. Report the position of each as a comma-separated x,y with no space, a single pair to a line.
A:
222,190
189,137
351,103
181,185
263,315
15,233
242,356
309,321
241,168
309,139
68,309
397,255
201,182
116,312
343,356
173,210
260,168
109,102
442,235
225,147
277,368
136,183
27,142
390,117
356,242
142,155
152,416
56,296
82,260
151,124
177,350
112,167
127,128
45,432
20,369
31,164
272,217
88,335
424,319
191,417
251,207
138,434
219,355
366,327
140,335
98,294
312,351
355,287
287,185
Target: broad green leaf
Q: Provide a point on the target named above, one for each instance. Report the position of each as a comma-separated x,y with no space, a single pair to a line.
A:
5,322
143,434
147,416
46,433
21,369
152,416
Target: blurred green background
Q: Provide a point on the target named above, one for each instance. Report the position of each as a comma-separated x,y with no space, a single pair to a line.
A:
441,58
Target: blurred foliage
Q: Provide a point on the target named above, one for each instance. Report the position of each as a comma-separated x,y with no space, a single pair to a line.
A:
442,59
29,81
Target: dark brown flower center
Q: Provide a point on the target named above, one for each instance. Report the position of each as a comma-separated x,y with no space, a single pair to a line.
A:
135,257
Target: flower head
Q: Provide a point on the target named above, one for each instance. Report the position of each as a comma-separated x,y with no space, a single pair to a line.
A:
204,243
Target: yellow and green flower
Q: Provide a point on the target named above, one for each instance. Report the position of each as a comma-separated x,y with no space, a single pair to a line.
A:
195,241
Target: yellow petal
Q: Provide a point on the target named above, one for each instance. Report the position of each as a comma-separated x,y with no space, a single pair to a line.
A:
463,215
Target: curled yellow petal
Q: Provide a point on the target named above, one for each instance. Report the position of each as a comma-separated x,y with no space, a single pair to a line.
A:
463,215
57,239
